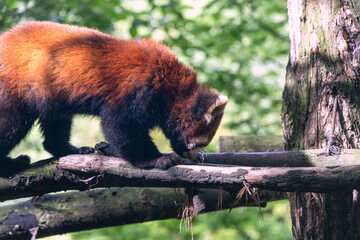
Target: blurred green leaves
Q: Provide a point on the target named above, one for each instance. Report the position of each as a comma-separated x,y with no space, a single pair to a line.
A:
92,13
272,223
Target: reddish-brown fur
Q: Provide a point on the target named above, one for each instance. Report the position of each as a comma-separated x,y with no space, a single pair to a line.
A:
53,71
95,57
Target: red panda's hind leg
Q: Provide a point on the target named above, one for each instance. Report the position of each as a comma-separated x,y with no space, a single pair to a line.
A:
57,135
15,122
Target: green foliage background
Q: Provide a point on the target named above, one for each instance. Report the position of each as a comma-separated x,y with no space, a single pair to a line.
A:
239,47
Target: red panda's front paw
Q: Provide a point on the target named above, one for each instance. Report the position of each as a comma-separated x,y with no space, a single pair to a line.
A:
167,160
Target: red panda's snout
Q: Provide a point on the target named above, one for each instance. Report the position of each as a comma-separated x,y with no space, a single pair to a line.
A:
194,153
206,129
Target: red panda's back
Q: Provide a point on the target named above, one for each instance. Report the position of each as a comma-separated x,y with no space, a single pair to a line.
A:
42,61
30,54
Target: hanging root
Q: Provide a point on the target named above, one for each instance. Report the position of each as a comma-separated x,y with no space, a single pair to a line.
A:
238,198
192,206
251,191
188,214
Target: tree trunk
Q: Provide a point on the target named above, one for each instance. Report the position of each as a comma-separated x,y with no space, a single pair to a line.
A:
323,66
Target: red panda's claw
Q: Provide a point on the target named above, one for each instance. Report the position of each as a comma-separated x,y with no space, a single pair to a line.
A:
86,150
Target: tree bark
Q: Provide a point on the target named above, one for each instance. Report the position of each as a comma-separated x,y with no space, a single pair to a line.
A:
83,172
77,211
323,66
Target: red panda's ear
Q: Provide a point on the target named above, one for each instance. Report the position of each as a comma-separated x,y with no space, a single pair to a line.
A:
216,108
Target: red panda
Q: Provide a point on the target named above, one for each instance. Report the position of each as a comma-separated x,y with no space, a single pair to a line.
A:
51,71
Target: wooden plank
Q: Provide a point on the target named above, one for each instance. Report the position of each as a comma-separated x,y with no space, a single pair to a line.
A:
251,143
304,158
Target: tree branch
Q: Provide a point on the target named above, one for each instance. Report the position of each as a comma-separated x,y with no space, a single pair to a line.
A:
80,211
82,172
304,179
77,211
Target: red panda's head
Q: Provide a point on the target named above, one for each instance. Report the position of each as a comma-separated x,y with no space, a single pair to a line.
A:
195,121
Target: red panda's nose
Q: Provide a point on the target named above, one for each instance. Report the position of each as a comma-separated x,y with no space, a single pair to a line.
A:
194,154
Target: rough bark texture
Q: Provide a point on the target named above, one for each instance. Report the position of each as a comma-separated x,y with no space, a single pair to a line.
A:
323,65
77,211
82,172
304,179
53,214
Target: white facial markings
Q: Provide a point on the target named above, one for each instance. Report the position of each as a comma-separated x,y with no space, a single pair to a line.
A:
208,118
191,145
194,154
198,141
